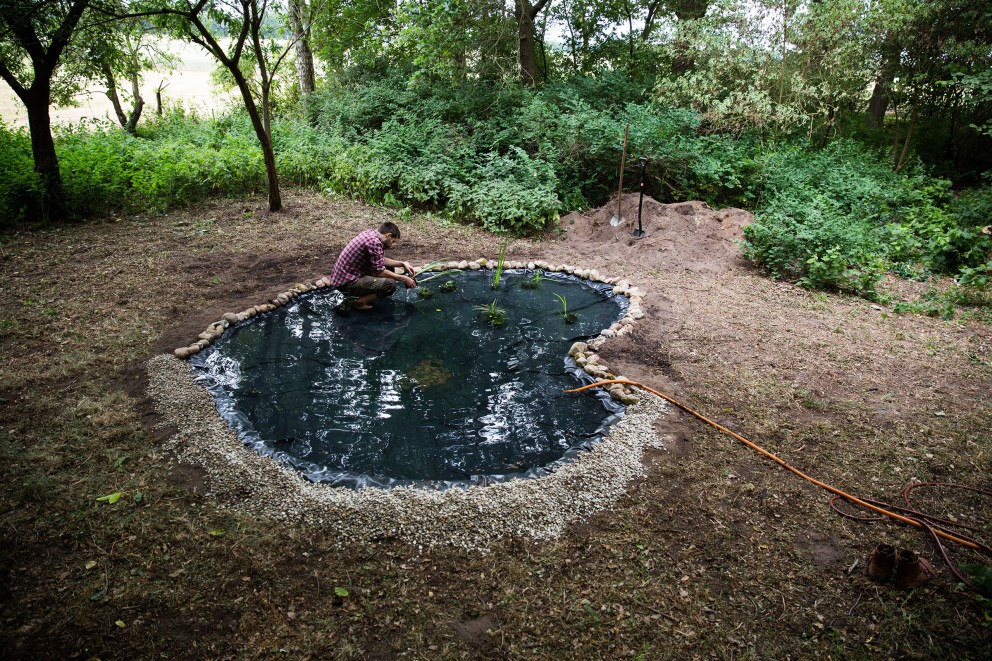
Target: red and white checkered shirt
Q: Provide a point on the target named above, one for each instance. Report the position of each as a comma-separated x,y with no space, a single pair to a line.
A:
362,256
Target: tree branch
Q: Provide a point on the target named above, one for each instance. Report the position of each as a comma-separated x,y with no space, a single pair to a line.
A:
536,9
12,81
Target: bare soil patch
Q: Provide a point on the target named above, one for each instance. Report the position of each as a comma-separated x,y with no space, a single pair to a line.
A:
717,552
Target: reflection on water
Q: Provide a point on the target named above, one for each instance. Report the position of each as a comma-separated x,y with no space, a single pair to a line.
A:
417,389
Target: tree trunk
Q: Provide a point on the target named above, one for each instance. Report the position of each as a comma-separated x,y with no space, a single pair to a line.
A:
139,105
878,104
115,101
46,163
304,56
880,95
905,145
526,41
525,15
158,99
264,139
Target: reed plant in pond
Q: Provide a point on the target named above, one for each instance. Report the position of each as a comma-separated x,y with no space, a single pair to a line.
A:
533,282
500,264
568,317
493,314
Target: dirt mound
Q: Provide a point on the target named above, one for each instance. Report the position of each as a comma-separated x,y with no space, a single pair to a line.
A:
686,235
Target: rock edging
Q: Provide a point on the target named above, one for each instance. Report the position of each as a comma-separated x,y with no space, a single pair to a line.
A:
584,354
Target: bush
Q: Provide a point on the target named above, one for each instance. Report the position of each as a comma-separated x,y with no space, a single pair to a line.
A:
21,188
512,158
839,217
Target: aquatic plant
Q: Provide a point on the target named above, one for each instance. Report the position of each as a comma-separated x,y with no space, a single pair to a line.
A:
532,282
425,292
494,314
500,263
448,286
569,317
428,267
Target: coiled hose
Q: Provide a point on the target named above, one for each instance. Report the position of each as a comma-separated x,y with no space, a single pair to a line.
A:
935,526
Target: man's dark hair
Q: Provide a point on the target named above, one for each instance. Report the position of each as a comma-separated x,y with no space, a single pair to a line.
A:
389,227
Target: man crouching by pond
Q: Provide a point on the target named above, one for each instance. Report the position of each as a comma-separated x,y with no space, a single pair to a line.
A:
361,271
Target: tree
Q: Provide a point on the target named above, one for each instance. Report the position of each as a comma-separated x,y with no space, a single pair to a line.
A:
251,59
299,27
349,31
119,56
525,14
39,32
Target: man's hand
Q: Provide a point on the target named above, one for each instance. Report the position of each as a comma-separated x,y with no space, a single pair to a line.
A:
409,269
409,282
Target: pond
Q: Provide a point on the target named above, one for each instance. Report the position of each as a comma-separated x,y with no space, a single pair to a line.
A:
421,391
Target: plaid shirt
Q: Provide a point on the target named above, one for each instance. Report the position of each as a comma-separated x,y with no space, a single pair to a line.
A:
362,256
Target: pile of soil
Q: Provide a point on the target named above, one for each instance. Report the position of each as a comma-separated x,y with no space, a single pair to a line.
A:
684,236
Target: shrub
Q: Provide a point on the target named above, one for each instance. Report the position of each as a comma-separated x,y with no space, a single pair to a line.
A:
838,217
20,186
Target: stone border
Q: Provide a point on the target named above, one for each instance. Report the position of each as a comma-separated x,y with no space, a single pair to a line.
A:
473,518
583,353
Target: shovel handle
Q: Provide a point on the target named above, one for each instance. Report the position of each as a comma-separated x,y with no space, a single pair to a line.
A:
623,160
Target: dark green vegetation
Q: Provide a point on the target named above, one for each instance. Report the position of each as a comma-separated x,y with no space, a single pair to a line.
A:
834,217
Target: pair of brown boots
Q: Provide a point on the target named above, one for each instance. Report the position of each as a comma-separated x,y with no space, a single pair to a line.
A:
911,571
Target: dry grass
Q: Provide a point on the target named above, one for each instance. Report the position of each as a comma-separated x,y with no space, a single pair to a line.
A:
189,85
717,553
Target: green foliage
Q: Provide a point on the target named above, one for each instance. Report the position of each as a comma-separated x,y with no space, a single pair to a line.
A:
838,218
510,159
21,189
568,317
177,160
533,282
500,263
981,576
493,314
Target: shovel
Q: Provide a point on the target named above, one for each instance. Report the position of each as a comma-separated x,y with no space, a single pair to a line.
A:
617,218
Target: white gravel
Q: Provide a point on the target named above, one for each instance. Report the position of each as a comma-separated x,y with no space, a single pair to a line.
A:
470,518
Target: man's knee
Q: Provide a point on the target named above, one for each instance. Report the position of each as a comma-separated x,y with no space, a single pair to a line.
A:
388,288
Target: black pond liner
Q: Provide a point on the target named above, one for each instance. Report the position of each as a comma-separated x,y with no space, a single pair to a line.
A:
418,392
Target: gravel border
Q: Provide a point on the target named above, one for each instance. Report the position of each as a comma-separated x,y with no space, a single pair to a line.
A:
472,518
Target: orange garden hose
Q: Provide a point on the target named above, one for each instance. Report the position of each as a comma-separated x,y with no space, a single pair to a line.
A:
781,462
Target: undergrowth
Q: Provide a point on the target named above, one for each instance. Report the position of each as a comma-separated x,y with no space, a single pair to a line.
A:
511,160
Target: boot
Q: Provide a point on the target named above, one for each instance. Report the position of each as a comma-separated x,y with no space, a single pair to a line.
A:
912,570
881,562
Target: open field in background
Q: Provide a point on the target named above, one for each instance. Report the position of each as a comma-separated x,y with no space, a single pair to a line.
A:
188,85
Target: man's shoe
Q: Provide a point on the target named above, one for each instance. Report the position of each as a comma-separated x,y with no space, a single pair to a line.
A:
881,562
912,570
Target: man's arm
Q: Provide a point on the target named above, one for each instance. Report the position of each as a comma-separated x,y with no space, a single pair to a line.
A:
393,275
406,266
